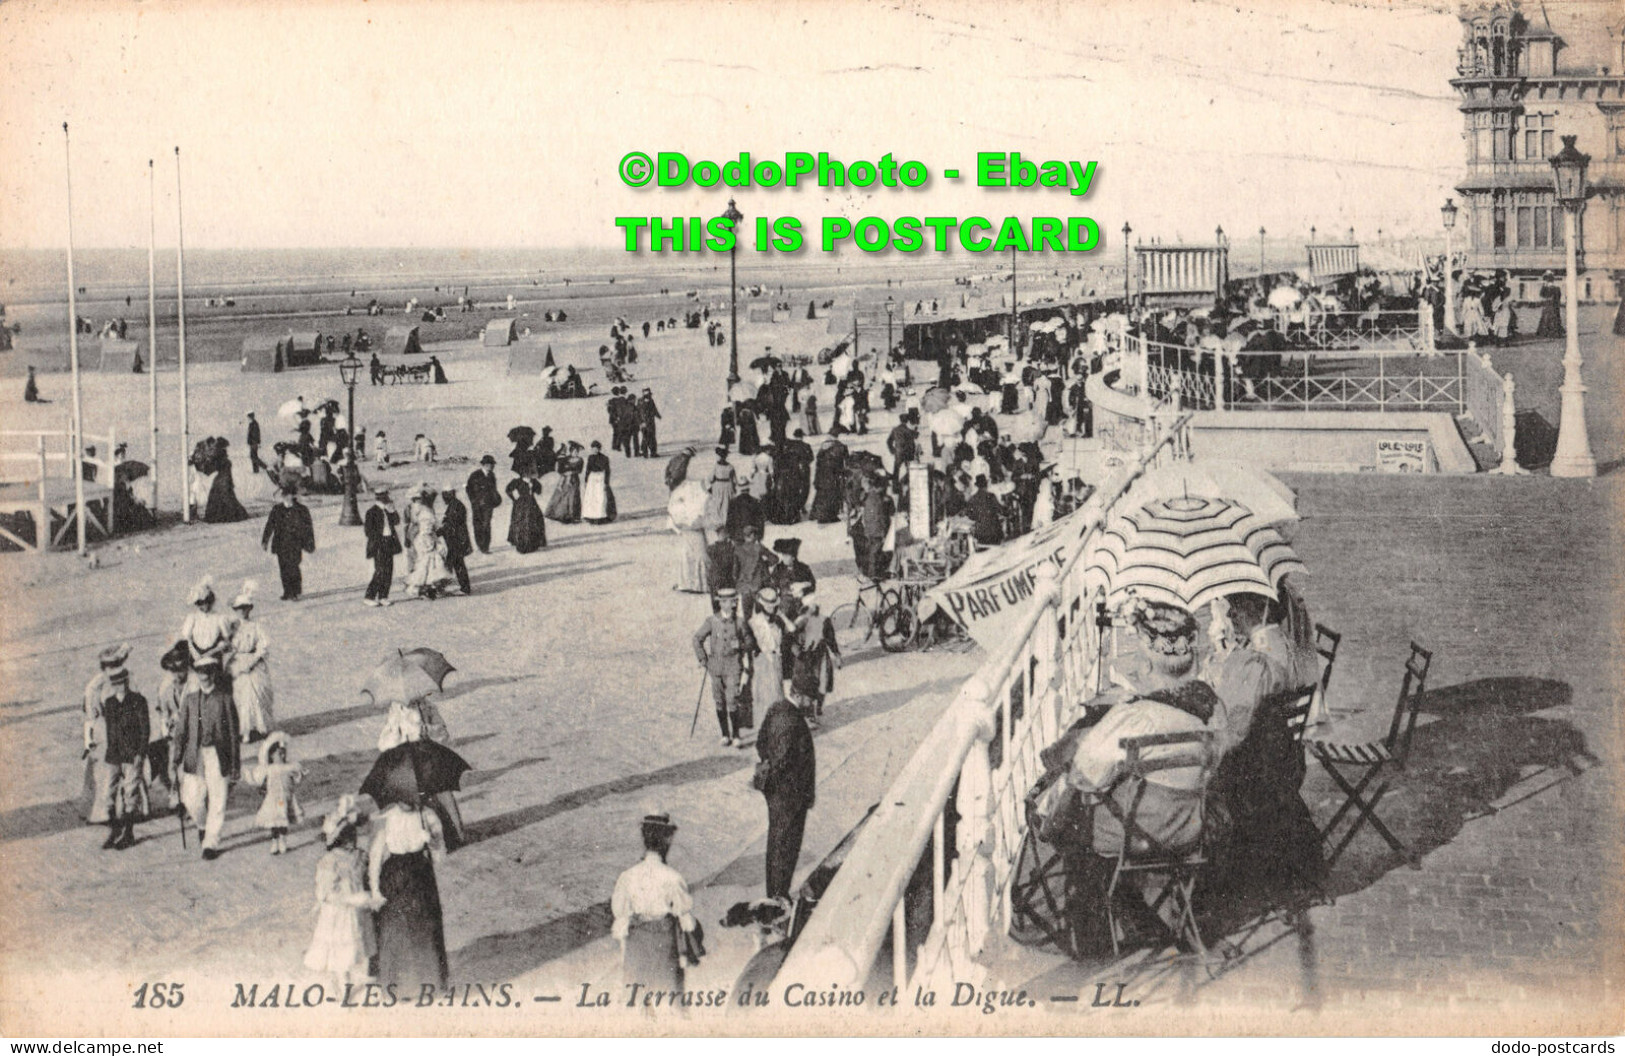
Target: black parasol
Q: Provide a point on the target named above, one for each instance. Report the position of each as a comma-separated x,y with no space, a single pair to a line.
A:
523,435
408,772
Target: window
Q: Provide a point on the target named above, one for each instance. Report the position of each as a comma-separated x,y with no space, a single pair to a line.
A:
1499,223
1539,136
1526,226
1557,227
1542,230
1540,58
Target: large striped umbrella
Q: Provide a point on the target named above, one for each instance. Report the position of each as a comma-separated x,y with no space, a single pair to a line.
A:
1188,551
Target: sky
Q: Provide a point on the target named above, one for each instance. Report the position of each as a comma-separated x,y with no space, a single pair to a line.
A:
497,124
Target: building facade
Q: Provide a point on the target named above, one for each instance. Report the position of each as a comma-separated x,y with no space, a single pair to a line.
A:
1525,79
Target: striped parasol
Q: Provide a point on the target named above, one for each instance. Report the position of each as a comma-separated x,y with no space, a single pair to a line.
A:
1190,551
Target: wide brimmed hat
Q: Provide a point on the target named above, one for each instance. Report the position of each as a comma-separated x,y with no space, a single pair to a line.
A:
177,658
276,738
203,591
725,594
767,598
790,545
206,664
121,675
344,817
114,655
245,598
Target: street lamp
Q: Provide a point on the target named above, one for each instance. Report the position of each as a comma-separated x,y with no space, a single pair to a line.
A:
349,372
891,306
1127,230
1573,457
1448,214
733,216
1261,250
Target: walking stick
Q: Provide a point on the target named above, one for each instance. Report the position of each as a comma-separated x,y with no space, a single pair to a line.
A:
698,700
180,812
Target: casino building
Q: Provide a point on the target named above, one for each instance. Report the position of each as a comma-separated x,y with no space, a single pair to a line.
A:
1525,79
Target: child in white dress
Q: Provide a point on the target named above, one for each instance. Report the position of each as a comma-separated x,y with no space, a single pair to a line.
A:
344,941
281,809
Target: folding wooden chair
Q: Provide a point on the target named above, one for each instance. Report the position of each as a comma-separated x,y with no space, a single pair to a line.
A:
1326,643
1141,853
1374,762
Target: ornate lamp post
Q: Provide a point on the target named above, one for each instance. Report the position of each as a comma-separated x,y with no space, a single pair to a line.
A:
350,372
1573,457
733,215
1127,230
1448,214
1261,251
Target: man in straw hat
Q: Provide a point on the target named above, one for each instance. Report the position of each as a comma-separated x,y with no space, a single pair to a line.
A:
98,800
723,646
289,535
382,526
204,751
125,715
653,911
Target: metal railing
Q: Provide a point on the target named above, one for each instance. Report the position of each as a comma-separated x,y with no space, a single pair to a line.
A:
928,878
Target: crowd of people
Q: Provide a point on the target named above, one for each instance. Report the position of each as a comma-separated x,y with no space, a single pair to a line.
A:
212,724
1229,679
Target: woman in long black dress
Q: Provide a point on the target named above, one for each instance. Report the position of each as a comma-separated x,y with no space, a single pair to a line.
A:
526,529
829,480
222,507
1551,308
411,929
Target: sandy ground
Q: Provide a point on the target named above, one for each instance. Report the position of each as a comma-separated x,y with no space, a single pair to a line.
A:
576,682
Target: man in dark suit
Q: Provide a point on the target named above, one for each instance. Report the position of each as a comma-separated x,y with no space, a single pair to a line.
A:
382,525
986,515
647,415
254,444
289,535
483,498
454,530
786,776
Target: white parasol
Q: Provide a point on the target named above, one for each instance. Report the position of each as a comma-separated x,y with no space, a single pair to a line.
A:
1284,297
687,505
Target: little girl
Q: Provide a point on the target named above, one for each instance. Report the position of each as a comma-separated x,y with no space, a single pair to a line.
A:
281,808
344,941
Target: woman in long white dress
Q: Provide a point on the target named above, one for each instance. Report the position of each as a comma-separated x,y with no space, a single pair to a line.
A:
597,498
207,633
250,669
687,509
344,941
428,573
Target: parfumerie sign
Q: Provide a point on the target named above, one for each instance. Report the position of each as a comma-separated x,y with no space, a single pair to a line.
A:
991,592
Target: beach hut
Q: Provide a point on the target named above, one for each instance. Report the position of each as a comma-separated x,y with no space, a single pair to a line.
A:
500,333
302,349
121,357
402,340
529,358
262,354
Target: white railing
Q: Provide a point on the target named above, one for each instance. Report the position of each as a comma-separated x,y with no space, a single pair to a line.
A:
1487,399
1373,382
928,878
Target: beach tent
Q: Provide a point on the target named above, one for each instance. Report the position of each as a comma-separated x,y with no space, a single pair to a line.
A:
302,349
402,340
262,354
500,333
529,358
121,357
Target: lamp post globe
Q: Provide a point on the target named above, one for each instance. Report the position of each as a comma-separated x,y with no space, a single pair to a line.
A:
1573,457
733,216
349,373
1447,215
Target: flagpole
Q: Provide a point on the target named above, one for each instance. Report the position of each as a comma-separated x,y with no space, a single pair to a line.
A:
152,327
76,447
180,308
